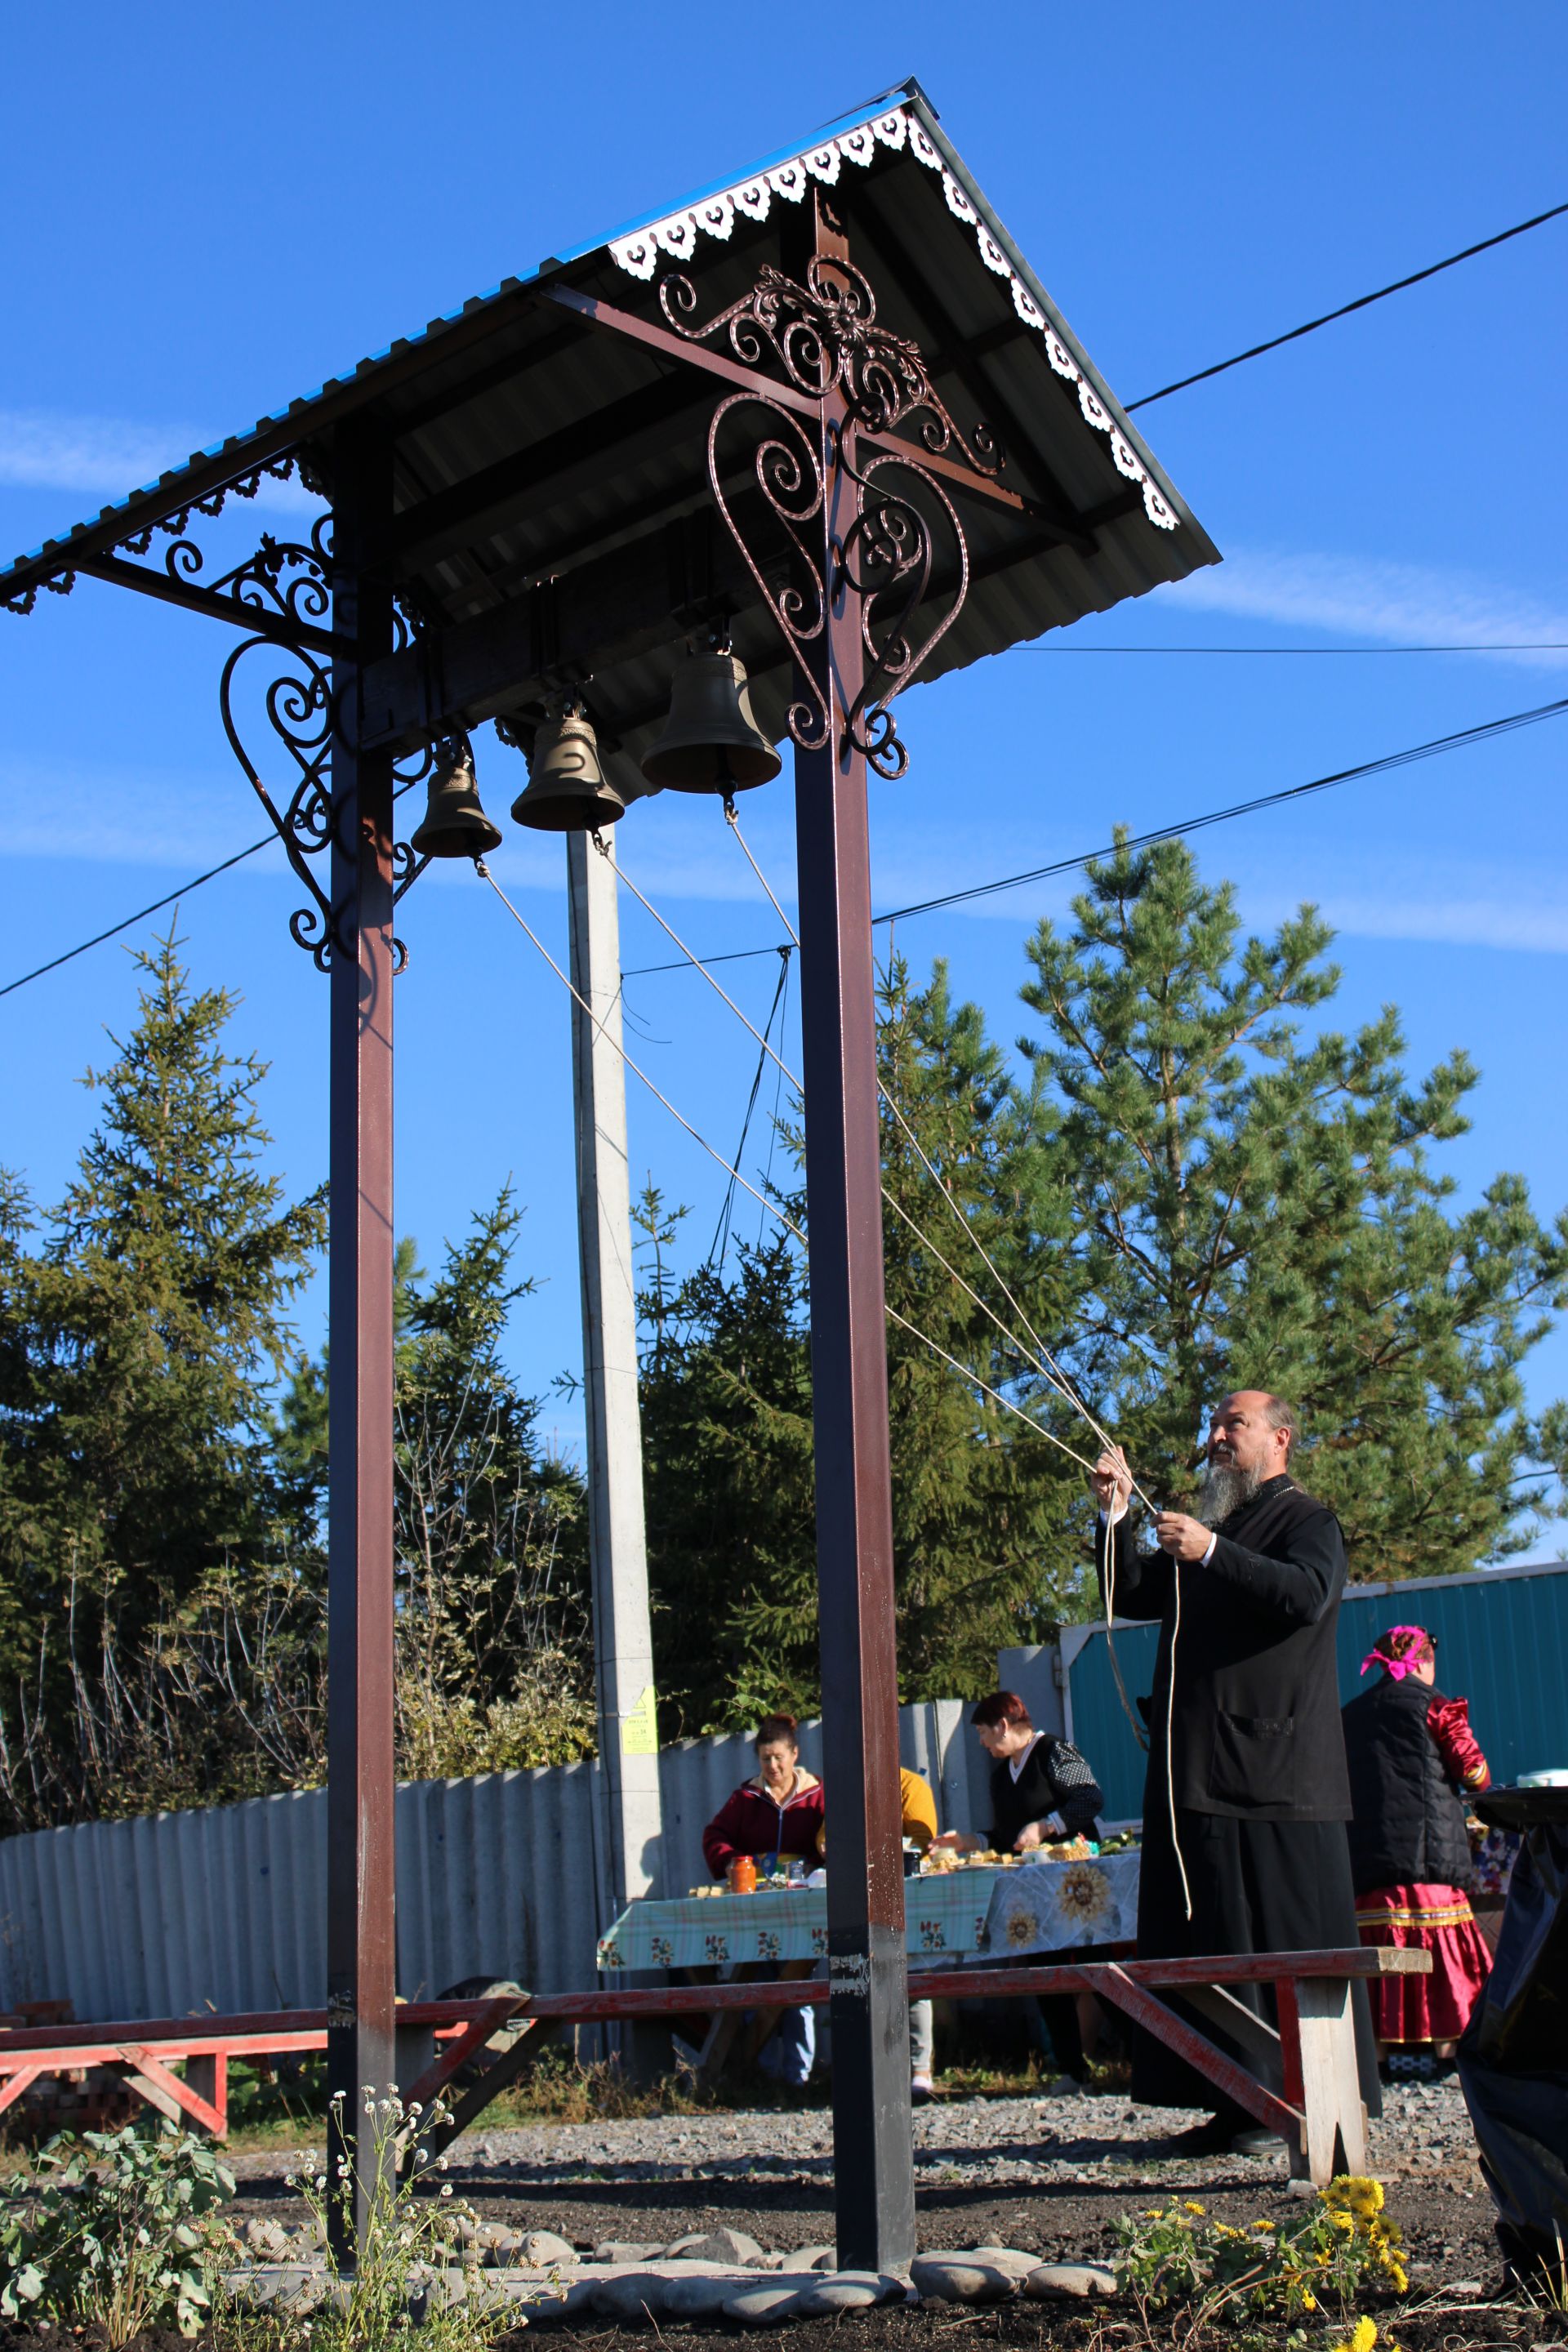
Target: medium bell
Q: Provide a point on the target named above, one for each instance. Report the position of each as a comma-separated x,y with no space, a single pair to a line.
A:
712,742
455,824
567,790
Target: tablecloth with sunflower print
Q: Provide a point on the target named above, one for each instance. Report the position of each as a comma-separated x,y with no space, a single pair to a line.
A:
1038,1906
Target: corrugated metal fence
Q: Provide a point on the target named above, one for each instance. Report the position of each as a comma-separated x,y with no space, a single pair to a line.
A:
497,1876
1503,1637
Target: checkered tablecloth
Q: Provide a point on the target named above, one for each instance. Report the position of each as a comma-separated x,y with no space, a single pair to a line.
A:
1039,1907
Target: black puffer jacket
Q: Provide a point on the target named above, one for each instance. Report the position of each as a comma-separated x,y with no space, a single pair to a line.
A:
1408,1828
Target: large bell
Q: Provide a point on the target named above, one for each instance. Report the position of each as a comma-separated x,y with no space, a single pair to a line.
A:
455,824
567,790
712,742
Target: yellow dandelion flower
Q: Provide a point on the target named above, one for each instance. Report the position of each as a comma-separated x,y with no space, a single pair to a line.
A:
1192,2205
1364,2335
1266,2226
1310,2303
1363,2196
1400,2277
1343,2221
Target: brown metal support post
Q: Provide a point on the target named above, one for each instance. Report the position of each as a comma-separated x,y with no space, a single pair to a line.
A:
873,2157
360,1938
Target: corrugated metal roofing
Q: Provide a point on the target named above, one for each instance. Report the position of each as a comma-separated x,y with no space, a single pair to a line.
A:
527,443
1502,1644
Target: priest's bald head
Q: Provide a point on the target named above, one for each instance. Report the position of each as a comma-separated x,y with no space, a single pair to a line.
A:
1249,1442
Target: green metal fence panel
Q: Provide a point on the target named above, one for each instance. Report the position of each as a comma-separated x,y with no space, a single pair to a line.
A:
1502,1644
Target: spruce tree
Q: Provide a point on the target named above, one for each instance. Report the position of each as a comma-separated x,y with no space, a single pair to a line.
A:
153,1319
143,1323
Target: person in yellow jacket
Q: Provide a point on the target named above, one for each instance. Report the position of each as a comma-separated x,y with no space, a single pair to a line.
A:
917,1807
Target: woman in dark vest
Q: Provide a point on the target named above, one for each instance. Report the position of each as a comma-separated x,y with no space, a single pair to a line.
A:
1413,1761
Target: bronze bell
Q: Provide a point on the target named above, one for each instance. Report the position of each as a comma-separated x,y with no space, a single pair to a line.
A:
567,790
712,742
455,824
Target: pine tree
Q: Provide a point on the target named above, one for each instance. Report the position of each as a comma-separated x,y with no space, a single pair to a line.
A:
1255,1206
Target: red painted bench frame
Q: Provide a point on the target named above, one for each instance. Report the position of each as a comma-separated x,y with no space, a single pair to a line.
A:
1316,2109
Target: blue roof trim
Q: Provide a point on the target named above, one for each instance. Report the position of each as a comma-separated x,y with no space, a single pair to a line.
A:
900,92
903,92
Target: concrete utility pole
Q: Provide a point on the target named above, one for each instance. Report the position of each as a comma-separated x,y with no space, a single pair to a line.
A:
623,1640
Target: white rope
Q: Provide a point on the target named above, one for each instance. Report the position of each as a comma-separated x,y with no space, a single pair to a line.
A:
733,821
772,1207
1053,1379
1040,1355
483,870
994,1394
1170,1733
1056,1378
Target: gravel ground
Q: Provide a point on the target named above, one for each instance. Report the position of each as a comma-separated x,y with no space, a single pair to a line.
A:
1047,2176
1044,2174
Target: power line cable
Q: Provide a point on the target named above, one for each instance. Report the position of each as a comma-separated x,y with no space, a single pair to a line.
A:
1345,308
958,898
156,908
772,1207
719,1247
1467,735
124,925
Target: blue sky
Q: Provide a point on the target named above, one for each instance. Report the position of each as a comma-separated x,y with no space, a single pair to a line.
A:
210,210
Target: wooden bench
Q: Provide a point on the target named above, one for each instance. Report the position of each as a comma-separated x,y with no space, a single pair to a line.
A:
146,2050
1302,2080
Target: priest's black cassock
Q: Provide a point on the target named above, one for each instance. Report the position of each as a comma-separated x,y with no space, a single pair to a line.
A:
1258,1759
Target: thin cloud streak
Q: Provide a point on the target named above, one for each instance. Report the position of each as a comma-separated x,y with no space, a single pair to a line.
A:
1394,603
107,456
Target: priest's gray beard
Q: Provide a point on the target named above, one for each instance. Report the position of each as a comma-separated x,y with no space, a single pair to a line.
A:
1226,1489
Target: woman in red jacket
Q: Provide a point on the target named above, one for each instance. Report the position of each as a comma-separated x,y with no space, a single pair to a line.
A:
779,1810
1414,1764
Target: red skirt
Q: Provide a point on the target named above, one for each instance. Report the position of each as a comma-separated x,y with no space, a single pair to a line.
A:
1436,1919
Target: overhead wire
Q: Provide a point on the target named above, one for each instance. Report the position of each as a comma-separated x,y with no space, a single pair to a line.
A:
1461,741
719,1247
1361,302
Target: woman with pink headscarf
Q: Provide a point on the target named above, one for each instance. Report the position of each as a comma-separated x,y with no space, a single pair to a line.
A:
1414,1763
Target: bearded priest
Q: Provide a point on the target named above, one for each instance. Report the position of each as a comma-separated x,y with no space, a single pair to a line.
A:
1247,1794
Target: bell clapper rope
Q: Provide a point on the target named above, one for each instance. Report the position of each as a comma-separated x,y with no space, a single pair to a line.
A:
1109,1589
771,1207
1056,1379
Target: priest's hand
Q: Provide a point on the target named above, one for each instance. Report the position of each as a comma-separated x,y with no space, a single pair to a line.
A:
1184,1539
1112,1482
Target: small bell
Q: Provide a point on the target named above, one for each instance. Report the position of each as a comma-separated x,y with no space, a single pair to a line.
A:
455,824
712,742
567,790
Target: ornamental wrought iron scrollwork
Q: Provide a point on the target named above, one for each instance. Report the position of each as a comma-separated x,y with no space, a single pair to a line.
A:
885,559
786,468
304,717
825,337
246,485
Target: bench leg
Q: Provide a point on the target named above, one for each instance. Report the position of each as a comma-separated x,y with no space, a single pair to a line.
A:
1335,2132
414,2055
208,2078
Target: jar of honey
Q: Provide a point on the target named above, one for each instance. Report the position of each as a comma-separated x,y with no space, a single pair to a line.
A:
742,1875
